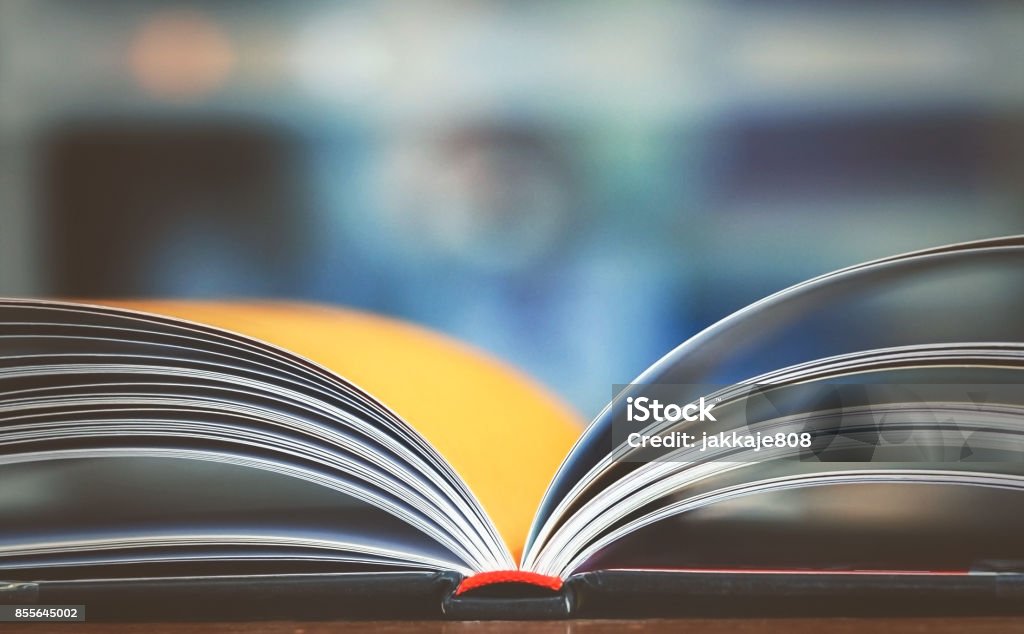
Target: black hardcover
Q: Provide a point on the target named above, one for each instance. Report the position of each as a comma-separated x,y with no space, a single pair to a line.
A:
723,594
603,594
400,595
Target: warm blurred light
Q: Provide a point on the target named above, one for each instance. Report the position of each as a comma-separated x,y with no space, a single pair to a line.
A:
180,54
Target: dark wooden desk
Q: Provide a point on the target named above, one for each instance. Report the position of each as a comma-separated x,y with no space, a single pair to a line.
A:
986,625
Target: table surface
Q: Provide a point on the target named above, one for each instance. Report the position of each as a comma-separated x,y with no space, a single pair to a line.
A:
986,625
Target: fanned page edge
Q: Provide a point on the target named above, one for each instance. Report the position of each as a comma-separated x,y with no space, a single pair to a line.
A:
553,505
273,349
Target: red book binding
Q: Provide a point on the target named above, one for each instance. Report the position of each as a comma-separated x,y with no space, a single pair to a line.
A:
482,579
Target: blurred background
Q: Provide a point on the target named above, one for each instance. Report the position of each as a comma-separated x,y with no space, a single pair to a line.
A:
575,187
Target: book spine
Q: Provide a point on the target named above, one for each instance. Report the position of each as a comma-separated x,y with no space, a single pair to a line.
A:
509,595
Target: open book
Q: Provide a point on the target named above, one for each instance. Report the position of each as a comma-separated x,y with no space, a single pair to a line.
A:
154,466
